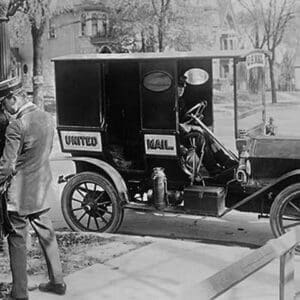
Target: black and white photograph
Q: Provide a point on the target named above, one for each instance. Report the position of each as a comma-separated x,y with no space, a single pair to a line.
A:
149,149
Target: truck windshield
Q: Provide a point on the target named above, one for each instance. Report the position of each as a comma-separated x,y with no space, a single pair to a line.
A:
238,100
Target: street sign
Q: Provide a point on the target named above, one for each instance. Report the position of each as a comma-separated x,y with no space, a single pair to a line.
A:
81,140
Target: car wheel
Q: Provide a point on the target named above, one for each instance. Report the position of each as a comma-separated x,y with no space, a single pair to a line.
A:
90,203
285,210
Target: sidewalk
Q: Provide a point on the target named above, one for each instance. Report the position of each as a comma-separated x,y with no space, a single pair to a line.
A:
162,269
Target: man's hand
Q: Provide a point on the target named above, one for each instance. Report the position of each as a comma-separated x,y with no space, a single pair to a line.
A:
186,128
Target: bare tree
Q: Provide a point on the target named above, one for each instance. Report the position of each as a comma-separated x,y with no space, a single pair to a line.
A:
147,19
37,13
158,24
268,20
129,23
161,10
286,76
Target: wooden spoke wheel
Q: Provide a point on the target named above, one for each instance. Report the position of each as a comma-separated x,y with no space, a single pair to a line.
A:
90,203
285,211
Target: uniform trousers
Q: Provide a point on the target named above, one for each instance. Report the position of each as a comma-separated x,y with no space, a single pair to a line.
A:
43,228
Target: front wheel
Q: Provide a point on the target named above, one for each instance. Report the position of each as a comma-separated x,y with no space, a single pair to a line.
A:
285,210
90,203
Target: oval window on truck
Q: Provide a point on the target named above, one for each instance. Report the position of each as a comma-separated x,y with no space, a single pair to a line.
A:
157,81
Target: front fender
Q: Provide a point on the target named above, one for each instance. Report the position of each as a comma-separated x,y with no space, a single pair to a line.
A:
280,183
111,172
286,179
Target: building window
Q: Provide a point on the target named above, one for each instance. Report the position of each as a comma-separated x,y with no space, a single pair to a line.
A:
51,30
105,49
94,24
224,72
25,69
103,31
225,44
230,21
83,24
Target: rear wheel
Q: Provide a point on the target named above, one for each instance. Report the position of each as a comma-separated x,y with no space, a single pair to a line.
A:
285,210
90,203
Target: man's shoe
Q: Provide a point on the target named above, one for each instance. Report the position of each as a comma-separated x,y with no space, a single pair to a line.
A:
55,288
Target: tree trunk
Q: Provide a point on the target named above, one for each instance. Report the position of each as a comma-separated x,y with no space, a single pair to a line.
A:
160,39
272,80
37,80
143,48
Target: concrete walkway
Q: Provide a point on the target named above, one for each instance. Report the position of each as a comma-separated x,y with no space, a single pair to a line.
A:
163,268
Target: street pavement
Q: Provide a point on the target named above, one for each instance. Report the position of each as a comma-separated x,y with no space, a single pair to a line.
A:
164,269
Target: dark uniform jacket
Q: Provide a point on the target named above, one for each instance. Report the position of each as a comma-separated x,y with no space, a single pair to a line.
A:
3,125
28,144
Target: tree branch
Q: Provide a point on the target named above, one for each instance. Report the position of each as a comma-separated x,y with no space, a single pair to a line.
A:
154,7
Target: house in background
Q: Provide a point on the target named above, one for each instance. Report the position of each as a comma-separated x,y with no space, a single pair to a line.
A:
87,28
222,32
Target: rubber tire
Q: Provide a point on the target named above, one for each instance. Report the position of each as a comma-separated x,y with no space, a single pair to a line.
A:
80,178
281,199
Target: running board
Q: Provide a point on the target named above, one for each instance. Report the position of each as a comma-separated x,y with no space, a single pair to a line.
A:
141,207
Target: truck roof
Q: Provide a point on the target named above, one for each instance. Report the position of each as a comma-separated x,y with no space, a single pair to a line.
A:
157,55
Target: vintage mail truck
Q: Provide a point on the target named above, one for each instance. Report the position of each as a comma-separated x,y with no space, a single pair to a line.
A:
120,116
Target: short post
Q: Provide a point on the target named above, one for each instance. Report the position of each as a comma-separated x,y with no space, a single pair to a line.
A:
286,276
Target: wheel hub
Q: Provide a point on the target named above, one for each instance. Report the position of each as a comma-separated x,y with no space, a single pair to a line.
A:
91,203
